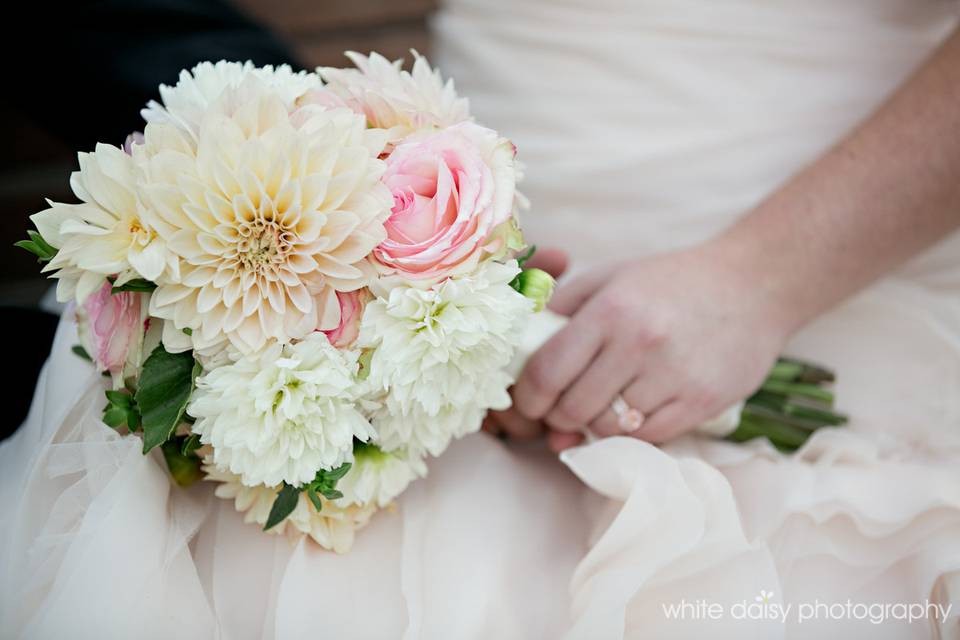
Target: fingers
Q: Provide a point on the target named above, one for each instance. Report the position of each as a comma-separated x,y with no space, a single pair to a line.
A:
552,260
557,364
560,441
513,424
570,296
647,394
669,421
591,394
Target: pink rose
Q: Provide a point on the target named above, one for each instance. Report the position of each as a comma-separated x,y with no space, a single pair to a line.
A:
111,328
351,311
451,188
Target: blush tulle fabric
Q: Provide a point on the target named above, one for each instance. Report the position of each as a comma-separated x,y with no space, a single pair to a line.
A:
645,126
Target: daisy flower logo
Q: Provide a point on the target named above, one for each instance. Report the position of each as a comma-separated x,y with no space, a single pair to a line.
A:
765,596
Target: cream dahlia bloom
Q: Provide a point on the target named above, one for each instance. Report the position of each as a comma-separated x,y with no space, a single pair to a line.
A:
378,476
283,415
196,90
106,234
394,99
269,212
439,354
333,527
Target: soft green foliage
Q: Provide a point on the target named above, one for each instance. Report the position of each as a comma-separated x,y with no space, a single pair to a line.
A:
283,506
37,246
80,352
323,484
190,444
121,411
166,383
138,285
184,466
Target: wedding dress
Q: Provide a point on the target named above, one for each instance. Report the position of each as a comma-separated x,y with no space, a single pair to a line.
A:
645,125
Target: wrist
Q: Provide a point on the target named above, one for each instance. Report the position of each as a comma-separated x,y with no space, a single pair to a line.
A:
765,292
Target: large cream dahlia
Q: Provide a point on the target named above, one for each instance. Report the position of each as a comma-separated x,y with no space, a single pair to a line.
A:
401,101
270,213
106,234
333,527
283,415
196,90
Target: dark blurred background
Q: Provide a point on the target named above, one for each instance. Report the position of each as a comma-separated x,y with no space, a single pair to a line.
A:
79,73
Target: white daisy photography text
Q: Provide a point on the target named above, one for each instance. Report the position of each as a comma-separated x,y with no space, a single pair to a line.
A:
764,607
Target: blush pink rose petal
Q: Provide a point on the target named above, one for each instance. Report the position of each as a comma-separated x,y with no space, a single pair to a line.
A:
451,189
111,328
351,312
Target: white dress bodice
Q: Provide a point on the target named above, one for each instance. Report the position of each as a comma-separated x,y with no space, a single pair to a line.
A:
647,125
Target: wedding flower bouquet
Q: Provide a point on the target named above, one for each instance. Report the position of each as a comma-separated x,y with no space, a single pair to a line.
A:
301,285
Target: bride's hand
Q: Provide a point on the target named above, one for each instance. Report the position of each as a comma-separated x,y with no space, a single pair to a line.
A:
680,336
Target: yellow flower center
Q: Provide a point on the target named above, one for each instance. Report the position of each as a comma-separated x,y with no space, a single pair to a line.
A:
139,234
263,243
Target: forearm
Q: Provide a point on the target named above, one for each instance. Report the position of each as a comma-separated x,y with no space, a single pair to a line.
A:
887,191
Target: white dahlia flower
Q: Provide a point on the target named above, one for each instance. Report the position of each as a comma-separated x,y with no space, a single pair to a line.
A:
186,103
378,476
283,415
417,429
104,235
270,214
439,354
394,99
333,527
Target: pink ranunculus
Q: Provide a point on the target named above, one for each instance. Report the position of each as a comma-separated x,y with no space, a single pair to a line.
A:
111,328
351,312
451,188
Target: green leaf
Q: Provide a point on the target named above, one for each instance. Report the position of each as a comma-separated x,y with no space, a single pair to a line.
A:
190,444
166,383
115,417
283,506
133,419
121,410
315,499
138,285
185,469
120,398
79,351
331,494
335,474
37,246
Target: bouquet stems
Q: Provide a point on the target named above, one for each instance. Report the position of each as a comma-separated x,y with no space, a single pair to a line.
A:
794,401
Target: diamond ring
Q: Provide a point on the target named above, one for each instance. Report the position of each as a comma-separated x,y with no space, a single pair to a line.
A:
628,418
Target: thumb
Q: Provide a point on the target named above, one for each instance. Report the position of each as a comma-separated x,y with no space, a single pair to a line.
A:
552,260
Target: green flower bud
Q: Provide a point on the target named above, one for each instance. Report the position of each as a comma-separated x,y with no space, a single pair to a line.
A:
535,284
